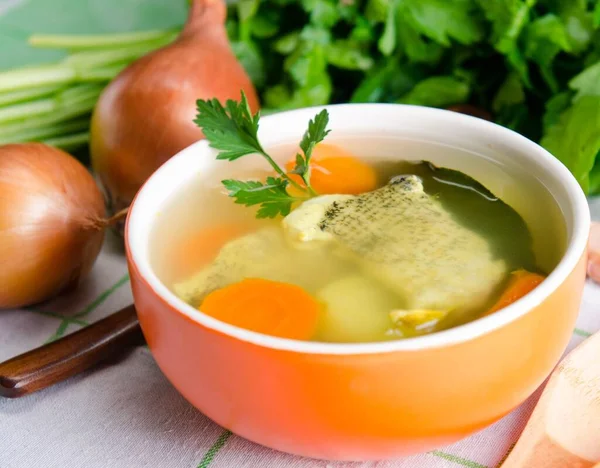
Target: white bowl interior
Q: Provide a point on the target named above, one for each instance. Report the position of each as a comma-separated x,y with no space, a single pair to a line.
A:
517,170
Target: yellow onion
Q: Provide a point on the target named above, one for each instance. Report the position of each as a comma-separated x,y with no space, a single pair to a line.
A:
51,223
145,115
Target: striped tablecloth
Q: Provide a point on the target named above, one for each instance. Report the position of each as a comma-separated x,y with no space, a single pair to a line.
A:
127,415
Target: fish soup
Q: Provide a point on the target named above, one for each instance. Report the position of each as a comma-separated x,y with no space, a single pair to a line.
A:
415,239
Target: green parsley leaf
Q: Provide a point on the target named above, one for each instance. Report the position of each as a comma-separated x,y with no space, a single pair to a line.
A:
437,91
587,83
348,55
272,196
578,21
232,129
387,41
510,93
544,39
249,56
595,178
316,132
443,20
555,107
575,139
508,18
300,167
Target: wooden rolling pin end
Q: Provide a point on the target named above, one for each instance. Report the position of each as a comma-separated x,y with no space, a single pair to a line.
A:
564,429
545,453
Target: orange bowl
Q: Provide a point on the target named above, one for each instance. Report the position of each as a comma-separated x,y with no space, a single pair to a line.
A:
373,400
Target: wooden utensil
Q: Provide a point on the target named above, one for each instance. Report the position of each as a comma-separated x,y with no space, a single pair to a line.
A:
66,357
564,429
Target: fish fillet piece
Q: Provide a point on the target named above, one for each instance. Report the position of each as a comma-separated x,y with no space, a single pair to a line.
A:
263,254
404,238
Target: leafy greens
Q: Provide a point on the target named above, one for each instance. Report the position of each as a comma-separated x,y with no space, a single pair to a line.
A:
534,65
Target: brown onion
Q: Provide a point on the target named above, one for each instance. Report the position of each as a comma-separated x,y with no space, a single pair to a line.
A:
146,114
51,223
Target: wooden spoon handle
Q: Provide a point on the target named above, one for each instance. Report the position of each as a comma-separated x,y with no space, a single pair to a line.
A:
63,358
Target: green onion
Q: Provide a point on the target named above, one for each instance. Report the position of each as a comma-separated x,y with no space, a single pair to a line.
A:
14,97
49,131
69,142
100,41
43,75
53,102
78,109
101,74
102,58
27,109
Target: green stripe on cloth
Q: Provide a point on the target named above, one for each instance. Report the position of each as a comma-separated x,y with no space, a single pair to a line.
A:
510,449
62,327
581,332
222,439
214,449
458,460
102,297
60,331
58,316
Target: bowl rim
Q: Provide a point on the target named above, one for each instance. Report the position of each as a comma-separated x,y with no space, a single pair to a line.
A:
576,247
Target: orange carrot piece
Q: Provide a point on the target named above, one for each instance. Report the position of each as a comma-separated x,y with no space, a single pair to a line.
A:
334,170
202,247
270,307
521,283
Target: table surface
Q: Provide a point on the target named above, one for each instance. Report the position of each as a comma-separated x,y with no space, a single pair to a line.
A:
128,415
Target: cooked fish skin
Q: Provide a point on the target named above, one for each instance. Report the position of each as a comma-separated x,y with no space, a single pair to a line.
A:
398,234
403,237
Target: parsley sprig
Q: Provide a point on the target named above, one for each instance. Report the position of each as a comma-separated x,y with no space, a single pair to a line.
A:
232,129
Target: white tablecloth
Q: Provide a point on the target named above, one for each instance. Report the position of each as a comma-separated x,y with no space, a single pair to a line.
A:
127,415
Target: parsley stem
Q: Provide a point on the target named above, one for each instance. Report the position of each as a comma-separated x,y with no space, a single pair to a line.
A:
311,191
282,173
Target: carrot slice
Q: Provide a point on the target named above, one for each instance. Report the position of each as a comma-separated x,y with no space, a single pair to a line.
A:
271,307
521,283
200,248
334,170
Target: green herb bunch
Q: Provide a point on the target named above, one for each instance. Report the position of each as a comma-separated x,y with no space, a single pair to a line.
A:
532,65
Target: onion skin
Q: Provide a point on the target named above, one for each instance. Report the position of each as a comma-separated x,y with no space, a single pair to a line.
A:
51,223
145,115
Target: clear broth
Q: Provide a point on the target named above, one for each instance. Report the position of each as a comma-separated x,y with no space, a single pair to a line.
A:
530,237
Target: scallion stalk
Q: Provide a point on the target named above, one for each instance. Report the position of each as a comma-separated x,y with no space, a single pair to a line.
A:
101,74
77,109
99,41
49,131
69,142
43,75
14,97
103,58
27,109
